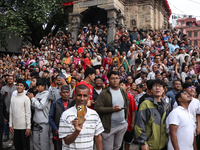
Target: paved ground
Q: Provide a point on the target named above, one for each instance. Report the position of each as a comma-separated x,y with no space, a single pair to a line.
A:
6,145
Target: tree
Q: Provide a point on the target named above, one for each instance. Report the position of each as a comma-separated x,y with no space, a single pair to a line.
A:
28,18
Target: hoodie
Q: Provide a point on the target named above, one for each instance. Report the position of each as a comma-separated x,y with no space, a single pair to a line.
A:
41,105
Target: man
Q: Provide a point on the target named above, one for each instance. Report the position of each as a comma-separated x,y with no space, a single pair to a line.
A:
133,35
151,119
57,108
158,75
98,81
131,56
194,106
151,75
142,77
54,92
147,94
72,86
46,78
3,114
128,137
41,105
181,125
139,89
80,136
112,107
89,77
181,56
6,91
20,117
176,88
160,66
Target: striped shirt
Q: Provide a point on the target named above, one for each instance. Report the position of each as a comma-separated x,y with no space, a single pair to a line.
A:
91,127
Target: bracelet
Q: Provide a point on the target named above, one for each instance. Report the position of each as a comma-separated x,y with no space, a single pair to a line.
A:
76,132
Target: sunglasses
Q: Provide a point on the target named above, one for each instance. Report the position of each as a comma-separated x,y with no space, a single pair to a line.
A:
192,87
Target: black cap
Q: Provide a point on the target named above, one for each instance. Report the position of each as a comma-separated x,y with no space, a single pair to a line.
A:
98,77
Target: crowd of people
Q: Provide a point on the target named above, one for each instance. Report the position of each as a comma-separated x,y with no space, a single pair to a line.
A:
141,88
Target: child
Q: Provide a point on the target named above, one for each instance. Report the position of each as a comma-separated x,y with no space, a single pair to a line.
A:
190,71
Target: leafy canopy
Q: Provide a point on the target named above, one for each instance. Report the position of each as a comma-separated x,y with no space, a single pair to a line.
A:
28,17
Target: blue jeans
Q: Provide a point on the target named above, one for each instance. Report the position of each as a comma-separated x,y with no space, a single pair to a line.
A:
6,128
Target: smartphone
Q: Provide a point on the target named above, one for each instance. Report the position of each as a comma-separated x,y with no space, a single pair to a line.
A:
80,114
60,75
123,107
153,51
106,66
124,57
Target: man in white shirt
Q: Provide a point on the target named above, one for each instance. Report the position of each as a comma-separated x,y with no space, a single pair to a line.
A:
142,77
20,117
194,106
131,56
81,136
181,125
151,75
181,57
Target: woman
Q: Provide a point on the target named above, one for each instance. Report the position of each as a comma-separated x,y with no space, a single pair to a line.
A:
75,59
196,67
107,61
67,59
173,46
184,72
122,74
133,90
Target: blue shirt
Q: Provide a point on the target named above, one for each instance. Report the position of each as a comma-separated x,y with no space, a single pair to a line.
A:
172,94
28,83
172,48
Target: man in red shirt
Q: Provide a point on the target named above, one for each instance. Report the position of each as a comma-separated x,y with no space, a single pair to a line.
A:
128,137
89,77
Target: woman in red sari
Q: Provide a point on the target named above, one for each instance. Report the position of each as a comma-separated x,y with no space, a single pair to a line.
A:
107,61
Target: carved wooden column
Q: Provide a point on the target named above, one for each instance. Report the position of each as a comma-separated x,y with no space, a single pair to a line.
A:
112,16
76,23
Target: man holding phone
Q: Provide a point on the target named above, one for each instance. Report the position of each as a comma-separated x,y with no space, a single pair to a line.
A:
110,105
80,136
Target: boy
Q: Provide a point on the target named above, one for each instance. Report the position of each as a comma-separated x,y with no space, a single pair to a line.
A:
20,117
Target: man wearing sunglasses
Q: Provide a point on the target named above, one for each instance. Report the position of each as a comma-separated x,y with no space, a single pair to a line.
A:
194,106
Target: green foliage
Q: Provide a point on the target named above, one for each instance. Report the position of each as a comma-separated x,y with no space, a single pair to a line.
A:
27,17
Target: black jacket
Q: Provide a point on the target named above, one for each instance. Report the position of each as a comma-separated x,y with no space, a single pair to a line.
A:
3,112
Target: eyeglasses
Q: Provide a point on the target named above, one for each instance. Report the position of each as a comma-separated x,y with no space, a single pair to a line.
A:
192,88
155,86
114,78
98,80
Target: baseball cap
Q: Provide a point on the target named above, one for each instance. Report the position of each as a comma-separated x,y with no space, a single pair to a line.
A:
144,70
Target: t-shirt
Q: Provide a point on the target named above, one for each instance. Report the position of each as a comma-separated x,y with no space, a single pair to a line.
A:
132,107
65,104
117,118
86,62
91,127
186,128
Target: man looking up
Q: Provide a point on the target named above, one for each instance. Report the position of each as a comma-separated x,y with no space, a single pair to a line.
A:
176,88
194,106
151,119
41,105
181,125
112,107
57,108
20,117
80,136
